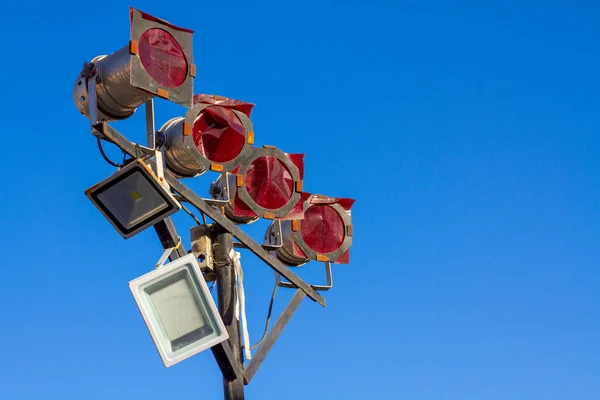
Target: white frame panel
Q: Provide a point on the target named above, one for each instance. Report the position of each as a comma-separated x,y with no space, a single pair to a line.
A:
134,286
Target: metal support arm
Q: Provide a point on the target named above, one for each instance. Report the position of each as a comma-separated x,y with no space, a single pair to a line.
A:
282,321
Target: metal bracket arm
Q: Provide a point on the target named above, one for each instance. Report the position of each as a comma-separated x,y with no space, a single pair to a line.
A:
264,349
329,285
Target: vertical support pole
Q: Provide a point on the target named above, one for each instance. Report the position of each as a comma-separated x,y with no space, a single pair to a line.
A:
227,298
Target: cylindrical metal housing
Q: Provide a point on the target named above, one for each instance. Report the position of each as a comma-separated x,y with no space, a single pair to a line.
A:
325,233
116,97
176,152
228,207
191,147
286,252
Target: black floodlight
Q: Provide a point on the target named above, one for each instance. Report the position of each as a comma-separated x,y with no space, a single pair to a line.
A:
133,199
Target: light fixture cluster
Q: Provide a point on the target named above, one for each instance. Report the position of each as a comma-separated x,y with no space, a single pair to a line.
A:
215,134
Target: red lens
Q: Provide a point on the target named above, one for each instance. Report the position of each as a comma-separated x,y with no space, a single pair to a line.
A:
269,182
219,134
163,58
322,229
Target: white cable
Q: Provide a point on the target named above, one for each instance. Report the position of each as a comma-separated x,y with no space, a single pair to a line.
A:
240,306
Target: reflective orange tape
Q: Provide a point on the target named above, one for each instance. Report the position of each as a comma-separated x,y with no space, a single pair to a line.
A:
162,93
186,129
133,47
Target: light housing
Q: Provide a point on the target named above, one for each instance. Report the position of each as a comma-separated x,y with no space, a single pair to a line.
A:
215,134
132,199
268,184
178,310
325,233
157,61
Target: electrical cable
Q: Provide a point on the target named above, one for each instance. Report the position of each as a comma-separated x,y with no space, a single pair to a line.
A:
203,217
114,164
191,214
181,199
262,339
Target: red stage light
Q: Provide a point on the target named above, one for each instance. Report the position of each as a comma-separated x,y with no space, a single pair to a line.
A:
157,62
325,233
216,133
268,184
163,58
322,228
219,134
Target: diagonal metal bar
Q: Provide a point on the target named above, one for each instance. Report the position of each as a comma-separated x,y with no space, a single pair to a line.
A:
220,219
264,349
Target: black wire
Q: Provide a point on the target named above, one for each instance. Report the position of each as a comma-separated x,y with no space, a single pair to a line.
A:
181,199
105,157
203,217
212,286
268,319
191,214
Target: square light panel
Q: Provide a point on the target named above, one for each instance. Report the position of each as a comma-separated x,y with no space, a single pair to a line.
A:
132,199
178,310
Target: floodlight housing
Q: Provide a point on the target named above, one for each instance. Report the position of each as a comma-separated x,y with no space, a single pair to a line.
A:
157,61
132,199
215,134
178,310
325,233
268,184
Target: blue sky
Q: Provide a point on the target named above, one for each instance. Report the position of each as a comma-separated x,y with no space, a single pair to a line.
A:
468,133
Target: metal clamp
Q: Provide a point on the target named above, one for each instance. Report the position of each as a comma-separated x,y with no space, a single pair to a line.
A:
91,73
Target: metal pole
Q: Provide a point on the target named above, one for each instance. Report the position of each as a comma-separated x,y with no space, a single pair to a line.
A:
227,298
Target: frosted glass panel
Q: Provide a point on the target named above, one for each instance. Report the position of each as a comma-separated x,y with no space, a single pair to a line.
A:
178,310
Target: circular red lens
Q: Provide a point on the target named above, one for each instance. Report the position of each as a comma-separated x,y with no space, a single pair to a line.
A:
322,228
269,182
163,58
218,134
